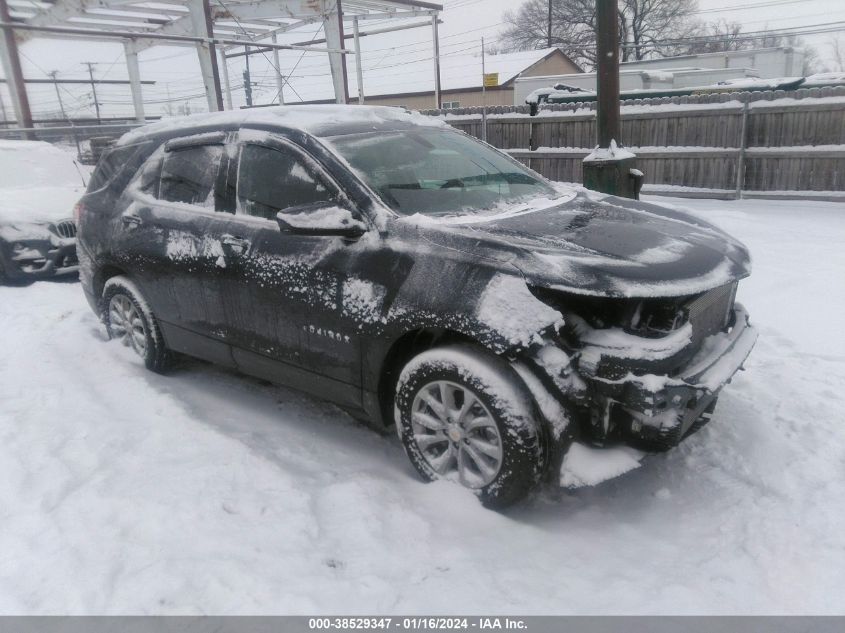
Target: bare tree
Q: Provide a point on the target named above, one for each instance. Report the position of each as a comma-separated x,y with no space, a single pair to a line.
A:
643,24
715,37
723,36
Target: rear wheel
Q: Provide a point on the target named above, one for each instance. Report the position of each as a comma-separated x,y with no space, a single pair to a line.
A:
129,319
464,416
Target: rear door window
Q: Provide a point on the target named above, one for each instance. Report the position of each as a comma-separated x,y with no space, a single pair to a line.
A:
189,175
271,179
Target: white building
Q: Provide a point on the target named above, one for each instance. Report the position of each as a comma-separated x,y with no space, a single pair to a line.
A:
686,71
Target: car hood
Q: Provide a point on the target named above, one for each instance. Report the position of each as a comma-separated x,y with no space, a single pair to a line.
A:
38,205
604,246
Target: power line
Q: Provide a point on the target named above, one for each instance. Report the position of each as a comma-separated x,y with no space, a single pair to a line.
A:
752,5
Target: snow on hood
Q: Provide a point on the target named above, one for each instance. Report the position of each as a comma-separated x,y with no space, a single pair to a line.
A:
602,246
38,204
499,212
38,183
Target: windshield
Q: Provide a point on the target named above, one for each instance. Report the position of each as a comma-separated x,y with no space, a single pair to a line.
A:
438,171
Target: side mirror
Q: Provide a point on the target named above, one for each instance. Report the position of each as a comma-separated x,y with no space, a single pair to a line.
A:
320,218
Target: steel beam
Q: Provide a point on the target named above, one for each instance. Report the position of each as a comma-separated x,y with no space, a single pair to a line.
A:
61,11
332,26
284,28
131,53
393,15
358,69
402,27
202,27
268,9
13,71
157,37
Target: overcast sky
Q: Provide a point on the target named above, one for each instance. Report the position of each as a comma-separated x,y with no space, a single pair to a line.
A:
176,71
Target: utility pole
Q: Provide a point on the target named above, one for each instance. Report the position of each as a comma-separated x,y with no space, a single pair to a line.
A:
358,70
169,101
52,75
247,84
62,108
610,168
436,40
483,95
550,23
93,89
280,79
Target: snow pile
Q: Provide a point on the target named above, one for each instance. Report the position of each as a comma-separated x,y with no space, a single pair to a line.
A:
618,343
35,164
824,79
587,466
558,91
614,152
205,492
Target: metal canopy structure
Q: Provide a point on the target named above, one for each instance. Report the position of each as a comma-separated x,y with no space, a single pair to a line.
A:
211,26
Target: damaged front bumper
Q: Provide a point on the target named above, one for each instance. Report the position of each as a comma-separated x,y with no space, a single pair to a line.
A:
644,411
33,259
655,412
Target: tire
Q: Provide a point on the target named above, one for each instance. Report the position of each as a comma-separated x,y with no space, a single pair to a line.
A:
129,319
492,444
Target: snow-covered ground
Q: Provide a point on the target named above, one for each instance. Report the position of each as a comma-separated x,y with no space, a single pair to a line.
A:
122,491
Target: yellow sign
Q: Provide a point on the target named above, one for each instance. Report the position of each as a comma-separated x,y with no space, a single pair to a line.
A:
491,80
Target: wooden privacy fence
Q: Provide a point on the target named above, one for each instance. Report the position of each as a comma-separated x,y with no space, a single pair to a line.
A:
726,144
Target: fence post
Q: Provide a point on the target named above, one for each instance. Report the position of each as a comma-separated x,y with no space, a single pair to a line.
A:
743,145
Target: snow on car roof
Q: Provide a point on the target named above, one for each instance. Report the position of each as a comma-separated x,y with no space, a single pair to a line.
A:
35,163
319,120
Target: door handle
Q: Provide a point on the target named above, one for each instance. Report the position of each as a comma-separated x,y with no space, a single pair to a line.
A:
238,244
131,218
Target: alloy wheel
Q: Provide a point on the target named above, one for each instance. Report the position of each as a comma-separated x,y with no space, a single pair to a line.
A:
456,433
127,325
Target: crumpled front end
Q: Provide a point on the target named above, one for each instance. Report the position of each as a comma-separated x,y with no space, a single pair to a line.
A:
642,372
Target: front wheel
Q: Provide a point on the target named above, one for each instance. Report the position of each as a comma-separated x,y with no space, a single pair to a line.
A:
129,319
463,415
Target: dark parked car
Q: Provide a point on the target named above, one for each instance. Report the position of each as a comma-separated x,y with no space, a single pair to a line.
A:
37,230
413,275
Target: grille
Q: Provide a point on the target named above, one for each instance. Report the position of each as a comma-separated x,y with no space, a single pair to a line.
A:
66,228
709,312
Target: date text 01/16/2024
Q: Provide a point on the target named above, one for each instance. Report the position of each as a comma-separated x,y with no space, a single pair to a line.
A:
416,623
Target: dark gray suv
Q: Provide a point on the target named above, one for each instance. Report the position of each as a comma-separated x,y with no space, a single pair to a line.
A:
415,276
